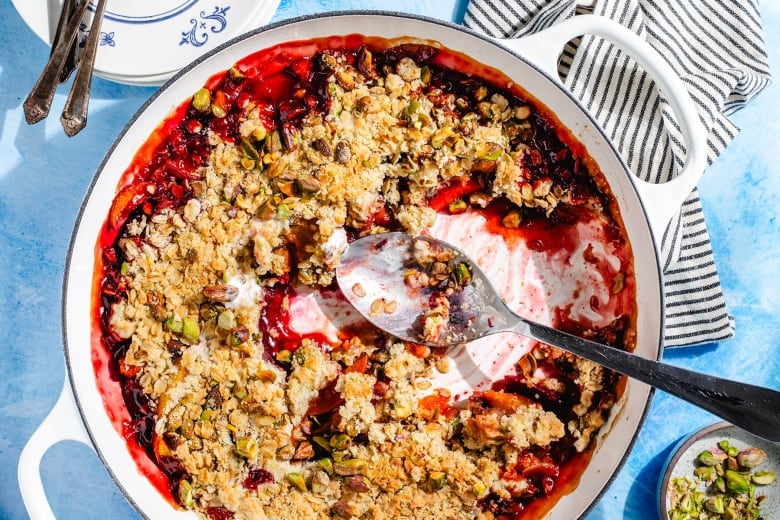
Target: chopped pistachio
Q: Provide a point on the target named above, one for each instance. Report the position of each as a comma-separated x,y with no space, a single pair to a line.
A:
490,151
266,376
174,324
284,356
425,74
283,212
319,482
239,336
190,330
339,441
437,480
201,100
715,504
226,320
710,458
440,137
220,292
705,473
349,467
358,483
297,481
327,465
736,482
457,206
462,274
246,447
186,498
751,457
763,477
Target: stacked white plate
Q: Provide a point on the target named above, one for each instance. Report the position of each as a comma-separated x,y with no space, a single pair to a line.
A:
145,42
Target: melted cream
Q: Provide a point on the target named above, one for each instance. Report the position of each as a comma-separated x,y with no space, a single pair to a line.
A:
535,284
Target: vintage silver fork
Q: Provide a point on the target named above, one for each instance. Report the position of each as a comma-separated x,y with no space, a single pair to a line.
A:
38,103
74,114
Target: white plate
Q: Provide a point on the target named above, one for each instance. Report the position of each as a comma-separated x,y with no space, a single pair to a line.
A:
148,41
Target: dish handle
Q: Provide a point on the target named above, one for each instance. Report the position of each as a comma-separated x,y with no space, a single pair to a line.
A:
661,201
62,424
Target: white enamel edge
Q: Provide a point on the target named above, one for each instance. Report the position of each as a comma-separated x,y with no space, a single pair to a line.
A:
62,424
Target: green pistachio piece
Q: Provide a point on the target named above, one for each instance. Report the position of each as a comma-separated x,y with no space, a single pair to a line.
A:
705,473
437,480
174,324
322,442
349,467
297,481
185,494
751,457
340,441
327,465
246,447
462,274
710,458
190,330
425,74
480,489
489,151
201,100
284,356
440,137
283,211
736,482
412,108
457,206
763,478
715,504
226,320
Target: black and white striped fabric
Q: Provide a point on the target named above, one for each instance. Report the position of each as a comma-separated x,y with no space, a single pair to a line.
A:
717,48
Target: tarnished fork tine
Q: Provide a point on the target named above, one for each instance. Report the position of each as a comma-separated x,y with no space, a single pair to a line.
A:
38,102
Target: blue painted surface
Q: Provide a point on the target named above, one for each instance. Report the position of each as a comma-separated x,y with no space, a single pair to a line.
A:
44,175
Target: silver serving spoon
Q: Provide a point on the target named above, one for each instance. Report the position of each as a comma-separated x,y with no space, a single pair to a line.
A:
373,277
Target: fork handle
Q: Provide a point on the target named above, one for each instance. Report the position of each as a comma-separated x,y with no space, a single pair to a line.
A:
752,408
68,7
38,101
74,114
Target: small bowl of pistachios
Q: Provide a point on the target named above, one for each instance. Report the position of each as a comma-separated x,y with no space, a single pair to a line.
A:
721,472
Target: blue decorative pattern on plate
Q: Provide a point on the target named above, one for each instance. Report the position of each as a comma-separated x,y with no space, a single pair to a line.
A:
198,35
146,42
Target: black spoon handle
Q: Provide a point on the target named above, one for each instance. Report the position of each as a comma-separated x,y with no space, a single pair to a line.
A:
752,408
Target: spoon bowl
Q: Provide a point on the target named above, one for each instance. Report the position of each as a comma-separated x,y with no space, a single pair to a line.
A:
380,276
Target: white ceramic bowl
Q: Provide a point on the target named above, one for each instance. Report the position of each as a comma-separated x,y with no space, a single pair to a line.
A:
682,462
645,210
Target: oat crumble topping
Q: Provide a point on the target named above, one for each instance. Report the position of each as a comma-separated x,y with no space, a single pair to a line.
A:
345,430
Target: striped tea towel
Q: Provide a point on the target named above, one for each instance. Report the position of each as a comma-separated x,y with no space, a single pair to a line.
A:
717,48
